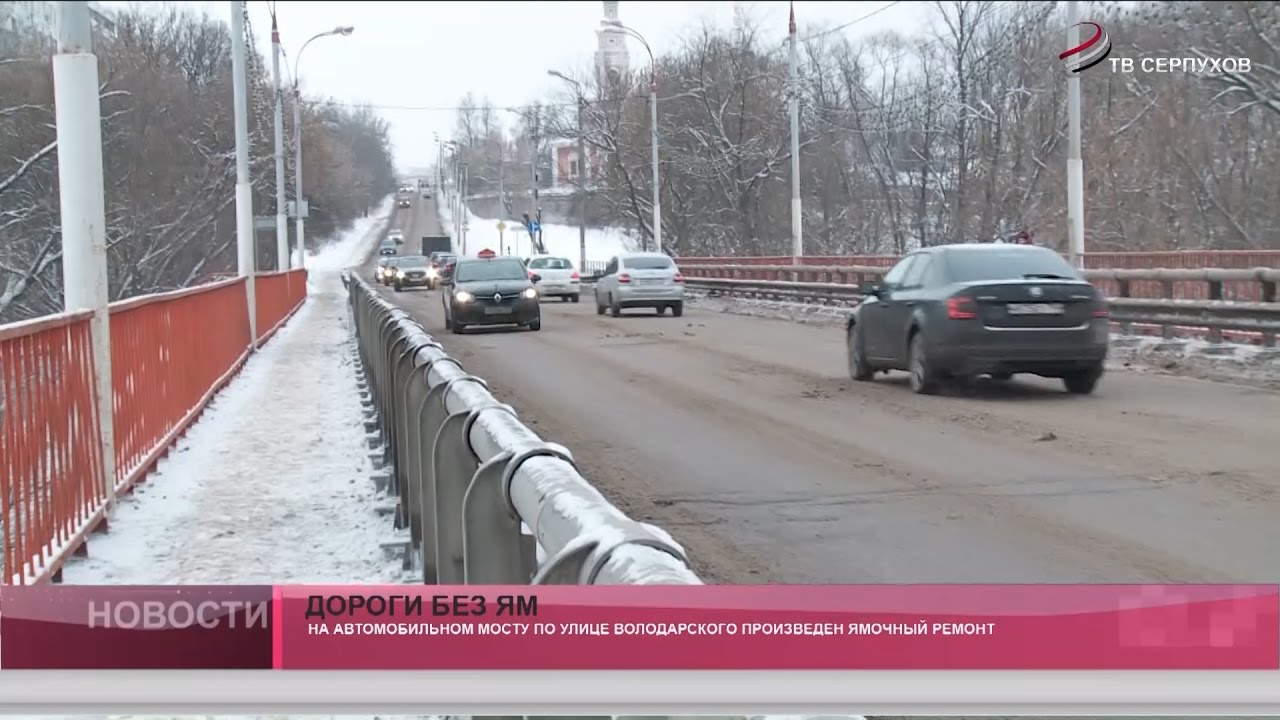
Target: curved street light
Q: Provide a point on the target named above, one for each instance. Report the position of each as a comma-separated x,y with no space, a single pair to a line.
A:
342,31
653,123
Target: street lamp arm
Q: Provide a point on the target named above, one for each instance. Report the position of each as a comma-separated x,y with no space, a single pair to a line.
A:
297,60
653,63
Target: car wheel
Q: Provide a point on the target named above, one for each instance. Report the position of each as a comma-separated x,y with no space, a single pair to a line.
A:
678,309
615,307
661,309
399,287
535,325
859,368
924,380
1082,382
575,297
564,298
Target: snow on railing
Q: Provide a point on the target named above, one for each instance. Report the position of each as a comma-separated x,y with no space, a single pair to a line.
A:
171,352
468,475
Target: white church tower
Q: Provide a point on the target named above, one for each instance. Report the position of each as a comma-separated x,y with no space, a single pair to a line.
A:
612,61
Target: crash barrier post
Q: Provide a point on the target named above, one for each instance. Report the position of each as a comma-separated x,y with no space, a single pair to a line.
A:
468,476
1219,317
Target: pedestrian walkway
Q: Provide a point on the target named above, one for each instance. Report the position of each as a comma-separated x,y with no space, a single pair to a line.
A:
272,484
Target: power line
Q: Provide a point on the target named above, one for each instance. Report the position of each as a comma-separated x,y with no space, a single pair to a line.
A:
849,24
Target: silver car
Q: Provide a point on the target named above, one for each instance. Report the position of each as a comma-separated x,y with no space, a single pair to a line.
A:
645,279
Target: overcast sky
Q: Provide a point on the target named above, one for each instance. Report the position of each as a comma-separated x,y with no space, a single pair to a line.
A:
415,60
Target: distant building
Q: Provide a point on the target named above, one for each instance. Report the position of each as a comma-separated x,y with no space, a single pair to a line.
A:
612,66
612,61
39,18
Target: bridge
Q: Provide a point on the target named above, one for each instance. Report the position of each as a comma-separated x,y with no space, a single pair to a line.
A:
355,441
310,426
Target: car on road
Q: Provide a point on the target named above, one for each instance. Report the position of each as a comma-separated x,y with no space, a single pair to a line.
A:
953,312
559,277
388,270
381,268
491,291
396,236
388,247
439,261
411,271
640,279
426,193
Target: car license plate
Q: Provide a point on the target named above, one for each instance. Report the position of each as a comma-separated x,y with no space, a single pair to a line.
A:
497,311
1036,309
651,281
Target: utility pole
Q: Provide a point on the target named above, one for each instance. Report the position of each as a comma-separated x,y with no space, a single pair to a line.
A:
797,224
78,116
282,216
1075,163
299,221
462,203
533,173
657,185
583,174
244,191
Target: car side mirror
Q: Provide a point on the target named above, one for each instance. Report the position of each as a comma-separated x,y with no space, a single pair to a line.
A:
536,278
871,289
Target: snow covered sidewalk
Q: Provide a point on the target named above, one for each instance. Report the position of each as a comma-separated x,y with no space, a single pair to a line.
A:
272,484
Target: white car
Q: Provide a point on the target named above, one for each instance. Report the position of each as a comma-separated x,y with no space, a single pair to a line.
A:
396,236
643,279
557,277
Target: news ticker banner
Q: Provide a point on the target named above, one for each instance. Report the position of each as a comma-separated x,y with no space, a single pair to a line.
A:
713,627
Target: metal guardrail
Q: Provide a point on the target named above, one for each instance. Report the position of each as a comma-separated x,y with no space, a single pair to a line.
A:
1216,316
468,474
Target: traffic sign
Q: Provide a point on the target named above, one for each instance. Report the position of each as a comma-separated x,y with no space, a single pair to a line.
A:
501,226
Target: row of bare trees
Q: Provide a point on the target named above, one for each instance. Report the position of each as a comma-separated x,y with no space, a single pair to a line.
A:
955,134
169,159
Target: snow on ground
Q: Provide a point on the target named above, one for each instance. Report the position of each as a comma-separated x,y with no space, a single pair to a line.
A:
602,243
272,484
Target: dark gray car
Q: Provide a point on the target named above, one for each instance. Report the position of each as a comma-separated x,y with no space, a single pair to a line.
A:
490,291
957,311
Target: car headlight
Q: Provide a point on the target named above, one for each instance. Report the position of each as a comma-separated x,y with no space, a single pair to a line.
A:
462,296
400,273
431,272
530,293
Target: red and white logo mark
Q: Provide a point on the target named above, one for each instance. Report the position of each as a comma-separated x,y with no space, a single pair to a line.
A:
1095,48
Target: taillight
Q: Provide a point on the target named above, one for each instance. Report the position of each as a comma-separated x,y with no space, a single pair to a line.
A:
961,307
624,278
575,276
1100,307
677,278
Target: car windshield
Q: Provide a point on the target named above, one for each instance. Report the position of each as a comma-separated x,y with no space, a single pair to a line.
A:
1010,264
489,270
413,261
392,262
550,264
648,263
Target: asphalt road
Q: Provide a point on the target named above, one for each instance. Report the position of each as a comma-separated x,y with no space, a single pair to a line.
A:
745,438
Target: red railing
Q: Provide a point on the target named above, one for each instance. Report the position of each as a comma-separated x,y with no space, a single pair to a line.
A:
51,488
278,295
1227,259
170,353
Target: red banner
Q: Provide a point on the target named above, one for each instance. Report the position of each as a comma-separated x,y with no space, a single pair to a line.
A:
905,627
